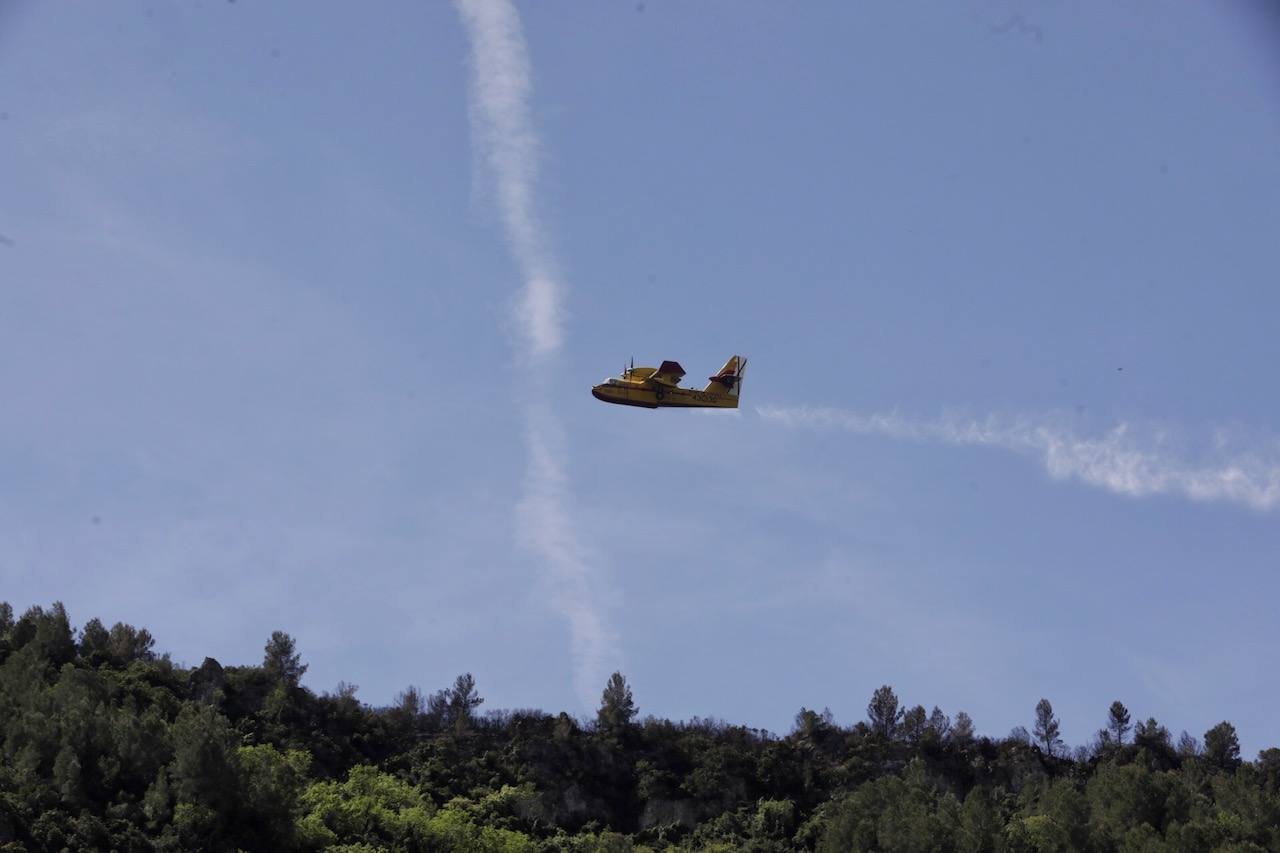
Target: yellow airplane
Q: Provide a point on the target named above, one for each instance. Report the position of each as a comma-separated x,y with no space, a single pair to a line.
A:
655,387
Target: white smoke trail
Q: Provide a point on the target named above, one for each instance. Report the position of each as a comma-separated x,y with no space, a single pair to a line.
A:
501,85
1128,459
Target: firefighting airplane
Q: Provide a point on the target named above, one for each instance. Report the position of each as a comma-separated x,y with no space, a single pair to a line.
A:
653,388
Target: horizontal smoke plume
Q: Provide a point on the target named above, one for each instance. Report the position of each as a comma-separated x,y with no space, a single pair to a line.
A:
1127,460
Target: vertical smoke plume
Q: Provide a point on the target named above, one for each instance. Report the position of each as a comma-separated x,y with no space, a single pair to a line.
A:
507,148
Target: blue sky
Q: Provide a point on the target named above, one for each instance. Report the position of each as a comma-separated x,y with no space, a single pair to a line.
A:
1005,274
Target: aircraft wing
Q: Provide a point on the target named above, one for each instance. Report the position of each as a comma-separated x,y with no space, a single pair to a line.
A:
669,373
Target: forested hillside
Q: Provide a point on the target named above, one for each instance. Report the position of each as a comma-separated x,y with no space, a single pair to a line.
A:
107,745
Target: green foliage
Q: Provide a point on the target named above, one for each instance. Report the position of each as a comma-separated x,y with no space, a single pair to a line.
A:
281,660
461,702
883,712
1222,747
962,733
1118,722
106,746
1046,729
906,813
980,822
617,707
370,807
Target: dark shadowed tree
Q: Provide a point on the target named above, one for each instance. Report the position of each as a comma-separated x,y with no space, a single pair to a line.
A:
812,729
962,729
617,707
914,722
939,724
128,644
94,642
1150,734
1222,747
438,706
883,712
282,661
47,633
1269,769
980,823
463,700
1117,722
411,703
203,770
1155,748
1046,728
1188,746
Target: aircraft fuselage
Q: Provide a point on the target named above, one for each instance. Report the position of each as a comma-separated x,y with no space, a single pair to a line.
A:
626,393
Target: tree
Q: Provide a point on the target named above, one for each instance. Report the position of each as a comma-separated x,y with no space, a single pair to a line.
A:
47,634
1150,733
1222,747
204,769
1046,728
282,661
914,722
371,810
617,708
883,712
812,728
462,701
410,703
128,644
962,730
1269,769
939,724
1117,722
979,822
94,642
1155,749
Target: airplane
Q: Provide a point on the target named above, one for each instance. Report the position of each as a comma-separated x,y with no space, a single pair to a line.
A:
658,387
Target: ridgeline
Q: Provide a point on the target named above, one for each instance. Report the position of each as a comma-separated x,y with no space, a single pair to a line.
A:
106,745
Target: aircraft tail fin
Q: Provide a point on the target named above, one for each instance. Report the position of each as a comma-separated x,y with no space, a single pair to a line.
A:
729,379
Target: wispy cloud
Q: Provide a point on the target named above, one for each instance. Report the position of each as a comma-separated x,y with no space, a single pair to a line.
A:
1129,459
508,148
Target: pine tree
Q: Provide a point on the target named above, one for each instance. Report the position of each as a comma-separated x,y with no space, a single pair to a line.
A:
1046,728
282,661
617,708
884,713
462,701
1118,722
914,722
1222,747
939,724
